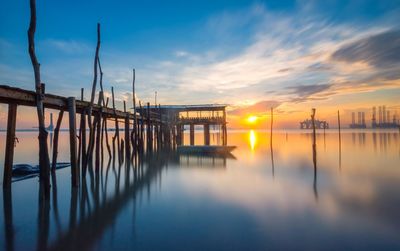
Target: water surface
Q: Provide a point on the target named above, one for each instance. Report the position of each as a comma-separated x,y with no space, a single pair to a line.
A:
257,199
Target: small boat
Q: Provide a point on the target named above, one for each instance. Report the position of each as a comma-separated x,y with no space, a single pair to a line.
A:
19,170
206,149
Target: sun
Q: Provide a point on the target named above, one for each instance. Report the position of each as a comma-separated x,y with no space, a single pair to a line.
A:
252,119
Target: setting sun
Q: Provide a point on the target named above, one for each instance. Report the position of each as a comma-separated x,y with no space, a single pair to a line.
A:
252,119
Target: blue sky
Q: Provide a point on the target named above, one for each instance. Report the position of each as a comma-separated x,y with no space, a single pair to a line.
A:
289,54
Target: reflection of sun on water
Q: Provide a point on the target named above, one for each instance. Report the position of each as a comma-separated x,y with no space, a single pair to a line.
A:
252,139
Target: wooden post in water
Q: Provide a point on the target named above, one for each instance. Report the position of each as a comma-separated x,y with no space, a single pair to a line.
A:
82,130
127,144
44,161
340,137
141,125
135,125
55,144
206,134
192,134
224,130
116,126
98,131
10,141
340,142
313,124
72,141
314,149
91,125
149,132
272,123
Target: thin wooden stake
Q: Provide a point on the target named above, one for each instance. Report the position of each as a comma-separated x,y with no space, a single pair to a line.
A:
55,141
272,123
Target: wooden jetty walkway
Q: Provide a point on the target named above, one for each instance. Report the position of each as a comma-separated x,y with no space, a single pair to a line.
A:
155,127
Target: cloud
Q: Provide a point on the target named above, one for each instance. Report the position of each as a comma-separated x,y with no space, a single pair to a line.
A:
262,57
380,50
259,107
302,92
67,46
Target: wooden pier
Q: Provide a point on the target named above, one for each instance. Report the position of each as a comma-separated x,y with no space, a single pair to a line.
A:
146,128
154,127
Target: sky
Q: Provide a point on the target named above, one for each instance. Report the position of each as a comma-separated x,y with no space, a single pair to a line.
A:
251,55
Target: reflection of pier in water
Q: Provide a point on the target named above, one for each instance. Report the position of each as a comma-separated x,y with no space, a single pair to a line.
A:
92,209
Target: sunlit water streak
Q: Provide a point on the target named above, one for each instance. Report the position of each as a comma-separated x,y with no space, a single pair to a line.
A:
252,200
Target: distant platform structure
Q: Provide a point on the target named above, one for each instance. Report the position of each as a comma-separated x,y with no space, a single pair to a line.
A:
360,122
319,124
385,120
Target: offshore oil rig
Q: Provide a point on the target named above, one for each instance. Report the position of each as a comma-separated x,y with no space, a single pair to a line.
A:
319,124
360,122
384,118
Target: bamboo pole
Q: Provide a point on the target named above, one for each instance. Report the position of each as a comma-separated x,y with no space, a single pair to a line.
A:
10,144
44,161
55,144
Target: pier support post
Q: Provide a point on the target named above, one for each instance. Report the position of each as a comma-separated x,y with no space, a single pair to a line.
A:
72,142
181,133
9,155
192,134
149,130
127,141
207,134
224,132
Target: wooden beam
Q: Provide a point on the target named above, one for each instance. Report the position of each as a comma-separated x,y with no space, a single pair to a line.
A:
23,97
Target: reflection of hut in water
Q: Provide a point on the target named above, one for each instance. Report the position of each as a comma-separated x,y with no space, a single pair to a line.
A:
202,160
319,124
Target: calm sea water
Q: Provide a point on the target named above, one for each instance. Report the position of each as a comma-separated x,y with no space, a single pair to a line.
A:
257,199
